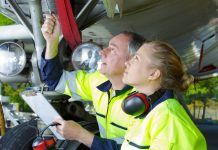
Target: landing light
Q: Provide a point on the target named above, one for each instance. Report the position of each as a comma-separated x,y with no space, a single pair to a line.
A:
12,59
86,57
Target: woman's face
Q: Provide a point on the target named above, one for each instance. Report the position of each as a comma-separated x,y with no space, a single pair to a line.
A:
140,68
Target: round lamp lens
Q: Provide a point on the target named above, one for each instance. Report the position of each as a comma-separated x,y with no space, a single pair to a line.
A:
86,57
13,59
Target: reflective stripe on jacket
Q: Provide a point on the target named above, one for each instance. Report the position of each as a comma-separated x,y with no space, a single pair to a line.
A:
112,121
166,127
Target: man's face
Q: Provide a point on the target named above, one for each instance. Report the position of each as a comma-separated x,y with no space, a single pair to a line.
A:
114,56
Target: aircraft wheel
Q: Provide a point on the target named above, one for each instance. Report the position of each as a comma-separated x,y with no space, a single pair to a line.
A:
20,137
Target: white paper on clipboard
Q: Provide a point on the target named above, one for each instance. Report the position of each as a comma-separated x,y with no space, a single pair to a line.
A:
40,105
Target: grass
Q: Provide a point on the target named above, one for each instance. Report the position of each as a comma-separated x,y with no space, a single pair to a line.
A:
5,21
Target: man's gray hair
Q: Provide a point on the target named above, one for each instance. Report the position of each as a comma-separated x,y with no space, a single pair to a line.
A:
135,41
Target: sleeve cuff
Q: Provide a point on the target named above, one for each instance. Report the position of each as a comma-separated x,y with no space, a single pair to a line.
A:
105,144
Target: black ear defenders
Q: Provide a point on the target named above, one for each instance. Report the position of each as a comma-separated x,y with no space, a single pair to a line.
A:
136,104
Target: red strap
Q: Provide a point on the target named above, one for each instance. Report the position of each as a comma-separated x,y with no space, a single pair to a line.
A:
68,24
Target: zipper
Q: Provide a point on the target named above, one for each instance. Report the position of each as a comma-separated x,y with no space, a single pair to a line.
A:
106,116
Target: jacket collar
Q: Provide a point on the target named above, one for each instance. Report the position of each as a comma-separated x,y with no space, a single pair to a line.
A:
106,86
160,96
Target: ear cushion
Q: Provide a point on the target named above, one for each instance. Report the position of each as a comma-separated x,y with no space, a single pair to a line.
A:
136,104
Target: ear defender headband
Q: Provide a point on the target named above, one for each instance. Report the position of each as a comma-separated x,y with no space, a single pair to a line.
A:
136,104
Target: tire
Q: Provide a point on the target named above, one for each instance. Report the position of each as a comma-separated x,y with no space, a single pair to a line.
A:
20,137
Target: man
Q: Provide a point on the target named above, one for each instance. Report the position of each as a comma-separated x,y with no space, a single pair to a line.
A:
105,87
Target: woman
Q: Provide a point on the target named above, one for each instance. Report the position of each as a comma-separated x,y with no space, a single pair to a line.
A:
156,70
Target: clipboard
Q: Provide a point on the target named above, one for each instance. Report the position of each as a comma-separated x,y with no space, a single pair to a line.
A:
40,105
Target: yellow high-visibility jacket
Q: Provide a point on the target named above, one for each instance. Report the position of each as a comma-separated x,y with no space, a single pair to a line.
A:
112,120
166,127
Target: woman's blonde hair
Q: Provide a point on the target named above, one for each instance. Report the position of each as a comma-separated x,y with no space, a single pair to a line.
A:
173,74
